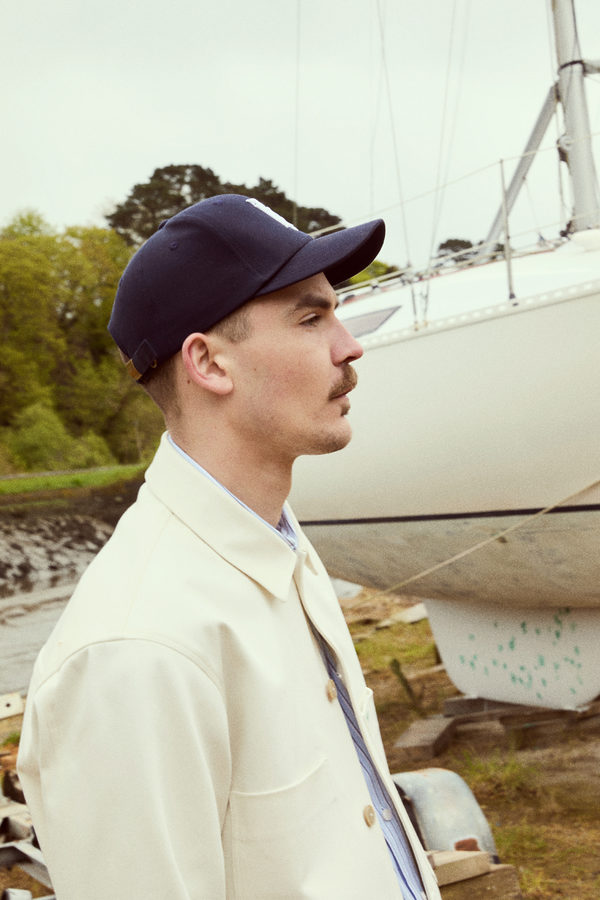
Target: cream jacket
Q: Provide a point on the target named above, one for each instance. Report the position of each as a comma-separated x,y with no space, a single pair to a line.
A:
180,740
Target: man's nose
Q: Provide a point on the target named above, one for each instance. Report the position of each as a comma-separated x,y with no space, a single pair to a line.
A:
347,347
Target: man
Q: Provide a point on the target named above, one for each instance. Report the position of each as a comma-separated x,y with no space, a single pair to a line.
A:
198,725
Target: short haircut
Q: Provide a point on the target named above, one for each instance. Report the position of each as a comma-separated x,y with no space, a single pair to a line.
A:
235,327
160,383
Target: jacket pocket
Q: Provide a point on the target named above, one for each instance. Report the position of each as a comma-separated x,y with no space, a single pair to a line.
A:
280,836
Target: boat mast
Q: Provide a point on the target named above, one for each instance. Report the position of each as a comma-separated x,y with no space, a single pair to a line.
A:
576,142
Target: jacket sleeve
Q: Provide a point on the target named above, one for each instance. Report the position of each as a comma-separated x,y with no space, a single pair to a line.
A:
126,768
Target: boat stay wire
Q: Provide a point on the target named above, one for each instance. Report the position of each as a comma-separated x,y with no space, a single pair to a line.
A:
392,128
296,115
449,119
557,223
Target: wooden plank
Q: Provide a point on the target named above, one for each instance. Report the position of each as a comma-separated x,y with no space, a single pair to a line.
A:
467,706
465,709
426,737
458,865
500,883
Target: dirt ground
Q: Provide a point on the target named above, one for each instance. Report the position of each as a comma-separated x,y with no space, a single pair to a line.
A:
537,782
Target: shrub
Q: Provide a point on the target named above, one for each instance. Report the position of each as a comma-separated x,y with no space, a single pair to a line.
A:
39,441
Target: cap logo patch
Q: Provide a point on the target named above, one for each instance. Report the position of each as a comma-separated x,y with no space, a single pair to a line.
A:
270,212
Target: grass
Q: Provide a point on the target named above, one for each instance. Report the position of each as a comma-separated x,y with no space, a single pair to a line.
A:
12,739
524,841
553,860
409,644
544,825
57,481
499,776
546,834
391,658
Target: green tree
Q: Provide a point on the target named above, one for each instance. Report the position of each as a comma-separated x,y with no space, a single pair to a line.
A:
31,343
377,269
56,292
174,187
7,463
27,222
91,376
39,440
136,427
65,398
457,248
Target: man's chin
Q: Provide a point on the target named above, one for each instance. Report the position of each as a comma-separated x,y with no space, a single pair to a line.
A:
331,443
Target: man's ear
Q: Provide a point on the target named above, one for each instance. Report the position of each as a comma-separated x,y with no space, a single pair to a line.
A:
205,364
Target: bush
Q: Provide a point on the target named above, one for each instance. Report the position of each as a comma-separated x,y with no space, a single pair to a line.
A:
38,441
89,451
7,465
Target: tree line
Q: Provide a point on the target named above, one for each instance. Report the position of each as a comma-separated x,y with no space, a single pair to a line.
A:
65,399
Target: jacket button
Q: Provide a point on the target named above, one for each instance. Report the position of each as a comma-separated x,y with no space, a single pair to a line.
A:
331,690
369,815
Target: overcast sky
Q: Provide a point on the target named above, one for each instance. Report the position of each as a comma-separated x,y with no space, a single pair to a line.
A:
98,93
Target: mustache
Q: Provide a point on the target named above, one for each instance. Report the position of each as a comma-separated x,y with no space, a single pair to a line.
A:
347,383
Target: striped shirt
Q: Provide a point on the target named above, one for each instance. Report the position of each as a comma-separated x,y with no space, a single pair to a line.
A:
393,830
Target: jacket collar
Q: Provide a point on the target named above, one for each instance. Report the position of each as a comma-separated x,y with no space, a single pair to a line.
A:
232,531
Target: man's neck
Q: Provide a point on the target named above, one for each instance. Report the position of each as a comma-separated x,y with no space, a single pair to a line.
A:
263,485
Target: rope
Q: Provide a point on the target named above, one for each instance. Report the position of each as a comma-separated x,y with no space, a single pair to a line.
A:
490,540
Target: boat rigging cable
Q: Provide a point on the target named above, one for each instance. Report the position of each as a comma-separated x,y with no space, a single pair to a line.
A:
442,178
296,116
390,105
480,544
392,127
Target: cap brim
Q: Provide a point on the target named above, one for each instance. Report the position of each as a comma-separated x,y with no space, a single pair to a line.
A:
339,256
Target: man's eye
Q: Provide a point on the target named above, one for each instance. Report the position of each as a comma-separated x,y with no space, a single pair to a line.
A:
311,320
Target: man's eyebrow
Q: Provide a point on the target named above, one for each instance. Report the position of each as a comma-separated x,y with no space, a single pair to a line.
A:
314,301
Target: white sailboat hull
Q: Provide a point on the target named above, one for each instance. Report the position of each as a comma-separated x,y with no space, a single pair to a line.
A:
464,430
552,562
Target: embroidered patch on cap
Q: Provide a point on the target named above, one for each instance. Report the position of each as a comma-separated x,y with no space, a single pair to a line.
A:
270,212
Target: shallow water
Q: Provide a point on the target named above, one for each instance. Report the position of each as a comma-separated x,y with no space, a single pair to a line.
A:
26,621
41,559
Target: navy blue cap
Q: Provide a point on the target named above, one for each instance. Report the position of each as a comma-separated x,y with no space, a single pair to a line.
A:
210,259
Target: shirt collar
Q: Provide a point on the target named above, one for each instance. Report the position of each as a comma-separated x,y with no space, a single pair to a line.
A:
233,531
285,528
